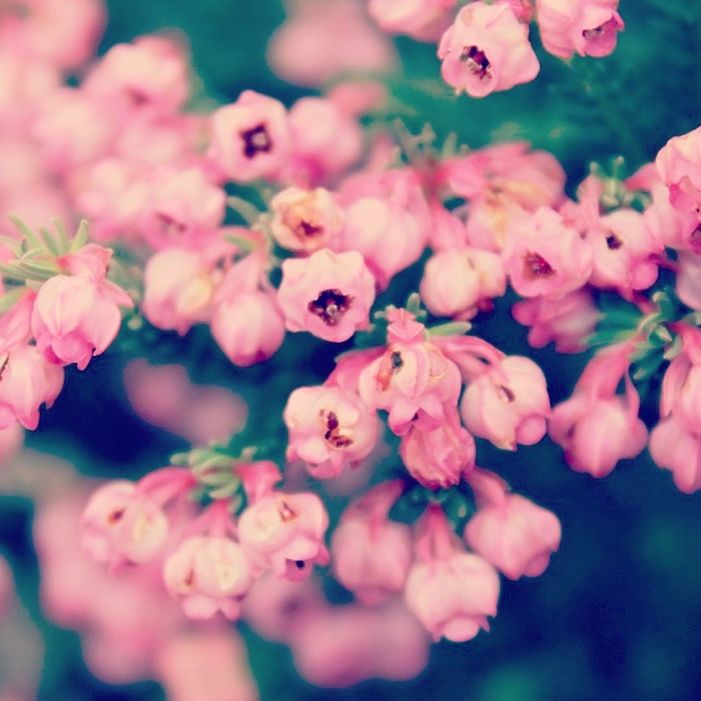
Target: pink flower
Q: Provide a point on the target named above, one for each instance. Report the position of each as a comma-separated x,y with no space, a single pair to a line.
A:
329,428
674,447
438,457
151,73
27,381
328,294
248,327
487,50
326,141
585,27
285,532
205,665
209,574
371,555
679,166
449,590
11,440
181,208
508,404
250,138
120,522
420,19
110,193
567,321
246,321
544,256
64,35
597,427
688,282
509,531
309,50
72,129
456,281
389,237
77,316
623,250
305,220
412,379
178,289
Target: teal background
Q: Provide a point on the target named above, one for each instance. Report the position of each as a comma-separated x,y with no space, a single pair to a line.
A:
616,616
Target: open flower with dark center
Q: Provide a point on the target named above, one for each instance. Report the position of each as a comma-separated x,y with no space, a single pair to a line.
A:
250,138
305,220
285,532
328,294
545,255
487,49
329,428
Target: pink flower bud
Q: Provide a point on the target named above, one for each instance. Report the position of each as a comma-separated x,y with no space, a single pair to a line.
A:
389,237
449,590
508,404
181,208
249,327
250,138
424,20
308,50
679,166
179,288
371,555
27,381
209,574
596,434
305,220
674,447
514,534
545,256
326,141
121,523
77,316
456,281
438,457
567,321
585,27
285,532
328,294
487,50
205,665
246,321
412,380
329,428
151,73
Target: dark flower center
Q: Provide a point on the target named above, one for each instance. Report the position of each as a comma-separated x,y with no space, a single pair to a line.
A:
330,306
536,266
333,434
613,242
256,140
476,61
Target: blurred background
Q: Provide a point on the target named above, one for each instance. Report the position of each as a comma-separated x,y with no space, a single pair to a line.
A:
615,617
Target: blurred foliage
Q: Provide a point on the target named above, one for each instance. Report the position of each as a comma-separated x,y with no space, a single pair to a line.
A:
614,618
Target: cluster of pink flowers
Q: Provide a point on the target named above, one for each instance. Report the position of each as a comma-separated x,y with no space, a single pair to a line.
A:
485,48
337,214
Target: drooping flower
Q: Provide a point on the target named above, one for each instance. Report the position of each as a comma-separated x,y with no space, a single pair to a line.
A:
329,428
584,27
509,531
450,591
